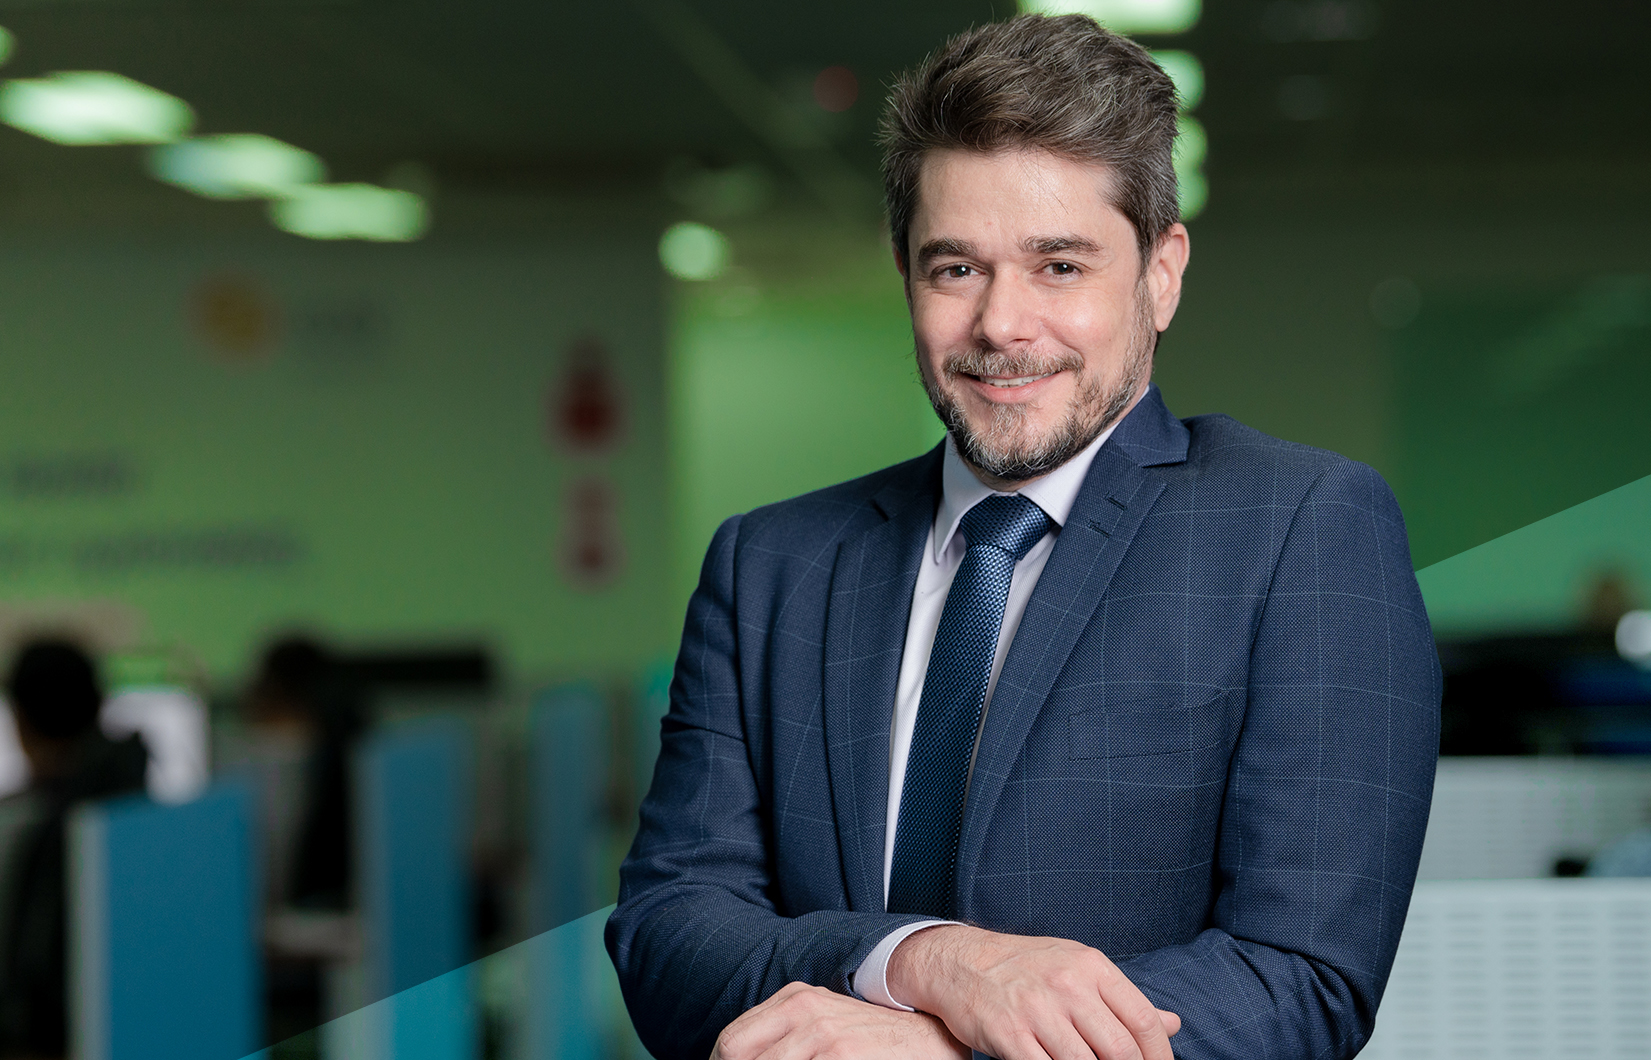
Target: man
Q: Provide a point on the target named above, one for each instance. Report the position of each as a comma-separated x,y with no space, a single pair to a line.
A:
1090,728
55,696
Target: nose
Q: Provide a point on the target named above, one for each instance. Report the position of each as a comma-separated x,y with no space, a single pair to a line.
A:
1008,312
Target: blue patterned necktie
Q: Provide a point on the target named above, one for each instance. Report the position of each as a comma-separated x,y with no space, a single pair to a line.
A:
999,531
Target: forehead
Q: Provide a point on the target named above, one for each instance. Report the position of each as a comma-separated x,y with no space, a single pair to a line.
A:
1015,193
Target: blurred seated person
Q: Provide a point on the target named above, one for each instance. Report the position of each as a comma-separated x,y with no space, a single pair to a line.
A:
301,716
303,701
55,697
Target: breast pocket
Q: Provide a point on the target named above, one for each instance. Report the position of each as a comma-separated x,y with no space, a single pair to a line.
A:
1137,729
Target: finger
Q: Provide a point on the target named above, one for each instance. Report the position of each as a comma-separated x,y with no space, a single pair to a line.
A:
1105,1037
1171,1022
1027,1046
1067,1041
1132,1009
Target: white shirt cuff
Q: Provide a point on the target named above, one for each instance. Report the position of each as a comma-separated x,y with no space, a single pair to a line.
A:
871,979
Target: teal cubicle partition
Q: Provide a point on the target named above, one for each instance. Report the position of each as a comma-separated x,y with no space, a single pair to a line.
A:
414,790
163,922
568,782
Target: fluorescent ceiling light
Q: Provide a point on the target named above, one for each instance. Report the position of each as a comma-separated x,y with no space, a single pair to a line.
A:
1191,146
1125,16
692,251
1187,72
8,44
351,211
1192,143
1194,193
236,166
93,107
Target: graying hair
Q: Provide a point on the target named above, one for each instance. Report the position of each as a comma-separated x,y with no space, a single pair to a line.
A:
1060,84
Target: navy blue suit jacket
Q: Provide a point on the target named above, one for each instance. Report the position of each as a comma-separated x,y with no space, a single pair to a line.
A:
1210,753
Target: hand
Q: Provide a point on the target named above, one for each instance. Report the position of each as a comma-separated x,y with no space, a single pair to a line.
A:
1020,998
802,1022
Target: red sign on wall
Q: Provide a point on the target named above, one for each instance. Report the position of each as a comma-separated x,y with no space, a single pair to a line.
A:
593,551
584,406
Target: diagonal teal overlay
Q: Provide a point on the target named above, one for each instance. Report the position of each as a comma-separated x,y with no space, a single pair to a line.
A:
1511,405
1536,577
552,997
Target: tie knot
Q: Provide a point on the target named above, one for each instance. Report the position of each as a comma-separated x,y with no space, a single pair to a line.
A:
1007,522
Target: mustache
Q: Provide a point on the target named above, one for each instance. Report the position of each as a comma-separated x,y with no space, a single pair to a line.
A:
991,362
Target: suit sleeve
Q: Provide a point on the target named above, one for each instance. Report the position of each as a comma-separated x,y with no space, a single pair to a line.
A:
696,938
1327,795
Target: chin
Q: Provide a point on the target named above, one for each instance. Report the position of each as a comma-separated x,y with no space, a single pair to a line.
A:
1012,444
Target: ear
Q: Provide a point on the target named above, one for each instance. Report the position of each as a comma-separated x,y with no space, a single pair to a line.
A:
1164,271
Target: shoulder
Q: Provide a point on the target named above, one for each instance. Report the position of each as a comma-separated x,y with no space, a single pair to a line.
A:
779,548
1274,491
1223,451
830,514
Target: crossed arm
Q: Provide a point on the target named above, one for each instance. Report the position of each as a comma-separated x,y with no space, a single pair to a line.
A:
1312,887
1009,996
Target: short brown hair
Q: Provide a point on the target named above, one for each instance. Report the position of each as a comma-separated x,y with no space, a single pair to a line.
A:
1060,84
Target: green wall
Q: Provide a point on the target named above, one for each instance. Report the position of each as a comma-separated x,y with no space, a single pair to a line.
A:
792,372
382,471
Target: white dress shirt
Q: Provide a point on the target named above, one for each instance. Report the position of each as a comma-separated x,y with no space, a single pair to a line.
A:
1055,493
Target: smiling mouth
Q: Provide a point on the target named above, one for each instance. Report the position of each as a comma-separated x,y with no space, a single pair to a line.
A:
1009,382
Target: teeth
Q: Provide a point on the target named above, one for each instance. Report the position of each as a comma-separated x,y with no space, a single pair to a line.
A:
1021,380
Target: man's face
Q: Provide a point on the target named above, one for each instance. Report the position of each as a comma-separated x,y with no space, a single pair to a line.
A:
1033,318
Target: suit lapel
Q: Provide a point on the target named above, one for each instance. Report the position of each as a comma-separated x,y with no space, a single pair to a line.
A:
1116,496
866,616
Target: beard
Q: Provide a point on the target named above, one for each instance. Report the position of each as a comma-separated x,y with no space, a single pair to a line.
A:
1006,447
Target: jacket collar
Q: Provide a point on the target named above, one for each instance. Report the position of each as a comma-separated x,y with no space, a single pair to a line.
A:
1150,435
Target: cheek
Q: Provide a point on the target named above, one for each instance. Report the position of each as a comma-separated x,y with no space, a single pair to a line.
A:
941,321
1098,332
936,331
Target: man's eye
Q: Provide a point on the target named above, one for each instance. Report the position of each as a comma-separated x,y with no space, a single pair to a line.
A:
1063,268
956,272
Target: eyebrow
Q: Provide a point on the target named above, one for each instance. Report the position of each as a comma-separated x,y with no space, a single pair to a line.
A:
962,248
945,248
1060,245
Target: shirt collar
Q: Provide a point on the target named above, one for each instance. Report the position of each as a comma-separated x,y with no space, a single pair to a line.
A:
1055,492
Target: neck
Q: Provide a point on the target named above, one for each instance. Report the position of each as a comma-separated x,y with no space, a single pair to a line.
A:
996,482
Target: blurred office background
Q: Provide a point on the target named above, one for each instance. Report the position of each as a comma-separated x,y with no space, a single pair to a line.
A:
372,378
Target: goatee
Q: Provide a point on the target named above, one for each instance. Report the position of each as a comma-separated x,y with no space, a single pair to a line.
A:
1001,449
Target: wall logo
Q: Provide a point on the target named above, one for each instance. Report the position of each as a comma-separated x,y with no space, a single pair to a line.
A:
236,318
